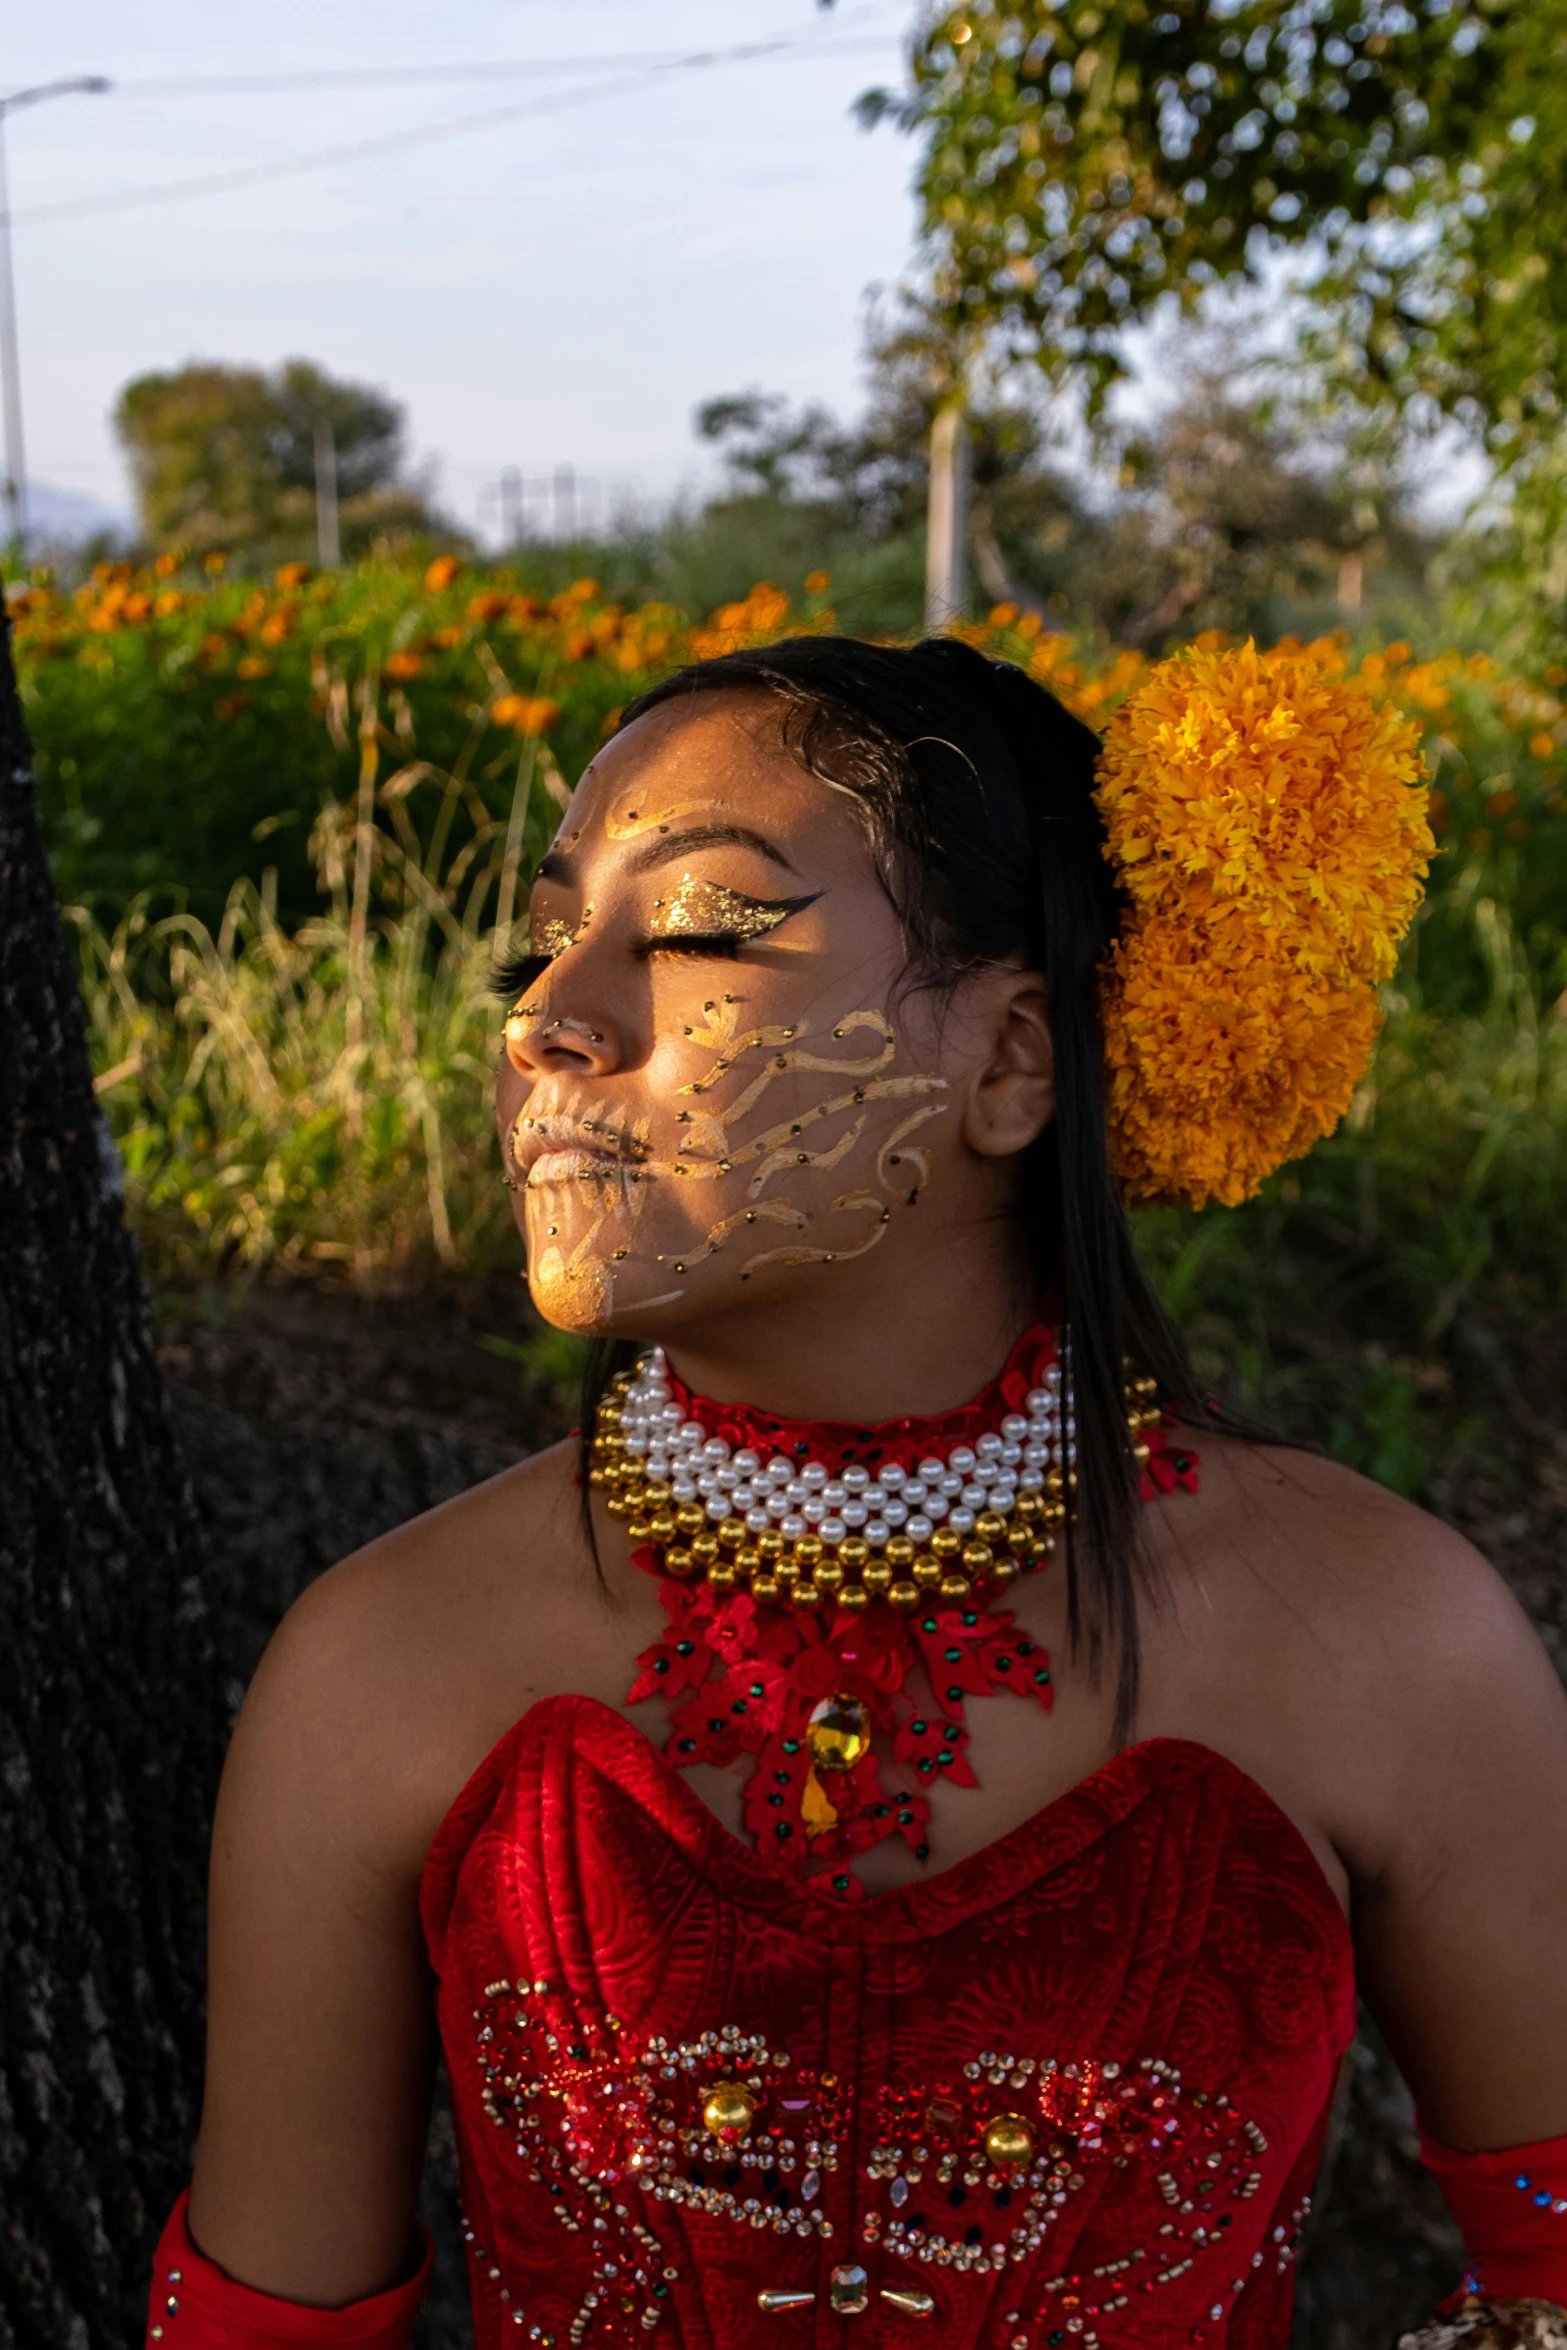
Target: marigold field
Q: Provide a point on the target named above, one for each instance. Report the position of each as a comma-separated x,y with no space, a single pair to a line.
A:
290,818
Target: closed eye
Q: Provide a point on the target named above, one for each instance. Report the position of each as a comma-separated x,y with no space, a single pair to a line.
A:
724,943
513,975
731,919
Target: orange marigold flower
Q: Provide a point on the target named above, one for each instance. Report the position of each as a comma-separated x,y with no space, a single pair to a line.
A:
214,563
405,664
291,575
1266,822
1542,744
442,572
525,713
817,582
166,565
489,606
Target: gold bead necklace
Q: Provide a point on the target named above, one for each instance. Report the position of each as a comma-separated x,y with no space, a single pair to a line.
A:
797,1534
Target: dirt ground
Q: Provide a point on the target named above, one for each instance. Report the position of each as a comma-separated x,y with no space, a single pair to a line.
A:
313,1423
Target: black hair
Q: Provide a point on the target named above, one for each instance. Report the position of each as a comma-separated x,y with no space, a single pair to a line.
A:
976,786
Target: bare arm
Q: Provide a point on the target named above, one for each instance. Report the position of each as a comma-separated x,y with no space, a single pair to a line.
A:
385,1687
320,2033
1461,1908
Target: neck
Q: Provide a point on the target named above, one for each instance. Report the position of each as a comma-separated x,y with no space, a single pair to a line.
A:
861,1351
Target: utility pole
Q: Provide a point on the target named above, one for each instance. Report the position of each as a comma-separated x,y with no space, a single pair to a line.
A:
511,506
15,484
329,539
946,540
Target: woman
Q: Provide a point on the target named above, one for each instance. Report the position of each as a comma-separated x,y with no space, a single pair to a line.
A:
790,1973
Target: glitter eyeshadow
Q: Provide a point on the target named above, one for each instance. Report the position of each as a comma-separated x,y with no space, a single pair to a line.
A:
698,907
550,938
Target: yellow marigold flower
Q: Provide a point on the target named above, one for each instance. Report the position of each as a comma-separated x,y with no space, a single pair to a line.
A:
1262,812
525,713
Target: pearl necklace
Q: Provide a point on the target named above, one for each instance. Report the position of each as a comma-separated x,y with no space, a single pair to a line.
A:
792,1532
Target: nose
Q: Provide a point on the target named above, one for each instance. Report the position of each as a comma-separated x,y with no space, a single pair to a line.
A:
543,1043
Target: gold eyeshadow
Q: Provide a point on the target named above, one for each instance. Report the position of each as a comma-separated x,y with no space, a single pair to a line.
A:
550,938
699,909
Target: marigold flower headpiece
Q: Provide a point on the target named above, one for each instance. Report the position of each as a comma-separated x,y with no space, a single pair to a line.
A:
1269,828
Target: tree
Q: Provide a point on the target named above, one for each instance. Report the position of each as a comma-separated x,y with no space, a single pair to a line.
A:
1238,512
1085,164
112,1716
226,457
867,482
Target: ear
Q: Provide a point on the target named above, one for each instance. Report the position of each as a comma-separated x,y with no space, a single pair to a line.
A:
1012,1098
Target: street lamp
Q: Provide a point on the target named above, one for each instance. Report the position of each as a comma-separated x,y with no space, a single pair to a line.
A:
15,484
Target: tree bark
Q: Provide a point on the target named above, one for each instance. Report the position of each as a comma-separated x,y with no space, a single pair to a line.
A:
112,1712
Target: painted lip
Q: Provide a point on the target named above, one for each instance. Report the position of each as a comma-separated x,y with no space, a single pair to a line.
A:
555,1149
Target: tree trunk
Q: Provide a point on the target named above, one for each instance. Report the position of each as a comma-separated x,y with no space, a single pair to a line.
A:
946,528
112,1714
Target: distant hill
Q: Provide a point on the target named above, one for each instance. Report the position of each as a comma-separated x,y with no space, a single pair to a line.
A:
67,517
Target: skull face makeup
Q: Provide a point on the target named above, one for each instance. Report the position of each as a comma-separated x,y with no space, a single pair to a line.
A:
721,1087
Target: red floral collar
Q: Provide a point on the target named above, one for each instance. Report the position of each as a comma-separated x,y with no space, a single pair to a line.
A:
850,1714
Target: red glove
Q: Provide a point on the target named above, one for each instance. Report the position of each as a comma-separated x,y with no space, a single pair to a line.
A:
194,2306
1511,2207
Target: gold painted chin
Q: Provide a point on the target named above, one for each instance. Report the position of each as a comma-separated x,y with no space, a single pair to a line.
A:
575,1293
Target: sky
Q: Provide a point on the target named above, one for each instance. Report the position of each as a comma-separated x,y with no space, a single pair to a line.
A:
556,289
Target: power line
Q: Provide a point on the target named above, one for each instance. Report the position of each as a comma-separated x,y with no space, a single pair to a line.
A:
389,77
429,134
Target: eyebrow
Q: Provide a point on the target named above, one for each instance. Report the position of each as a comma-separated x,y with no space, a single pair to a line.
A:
665,848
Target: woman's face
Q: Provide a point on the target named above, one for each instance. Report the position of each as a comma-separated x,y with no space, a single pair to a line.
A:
713,1088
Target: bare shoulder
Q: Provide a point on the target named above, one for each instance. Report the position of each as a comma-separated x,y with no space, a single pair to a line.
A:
1338,1554
1361,1646
396,1671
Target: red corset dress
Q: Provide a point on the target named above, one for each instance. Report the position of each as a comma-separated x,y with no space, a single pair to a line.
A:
1069,2092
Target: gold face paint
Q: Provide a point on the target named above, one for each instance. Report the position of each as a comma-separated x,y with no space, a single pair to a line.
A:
574,1292
628,814
700,909
584,1290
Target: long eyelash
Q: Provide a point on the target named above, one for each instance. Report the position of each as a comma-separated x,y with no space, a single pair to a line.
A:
513,975
725,944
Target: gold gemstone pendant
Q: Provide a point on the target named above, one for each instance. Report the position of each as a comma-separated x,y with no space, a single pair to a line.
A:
838,1733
